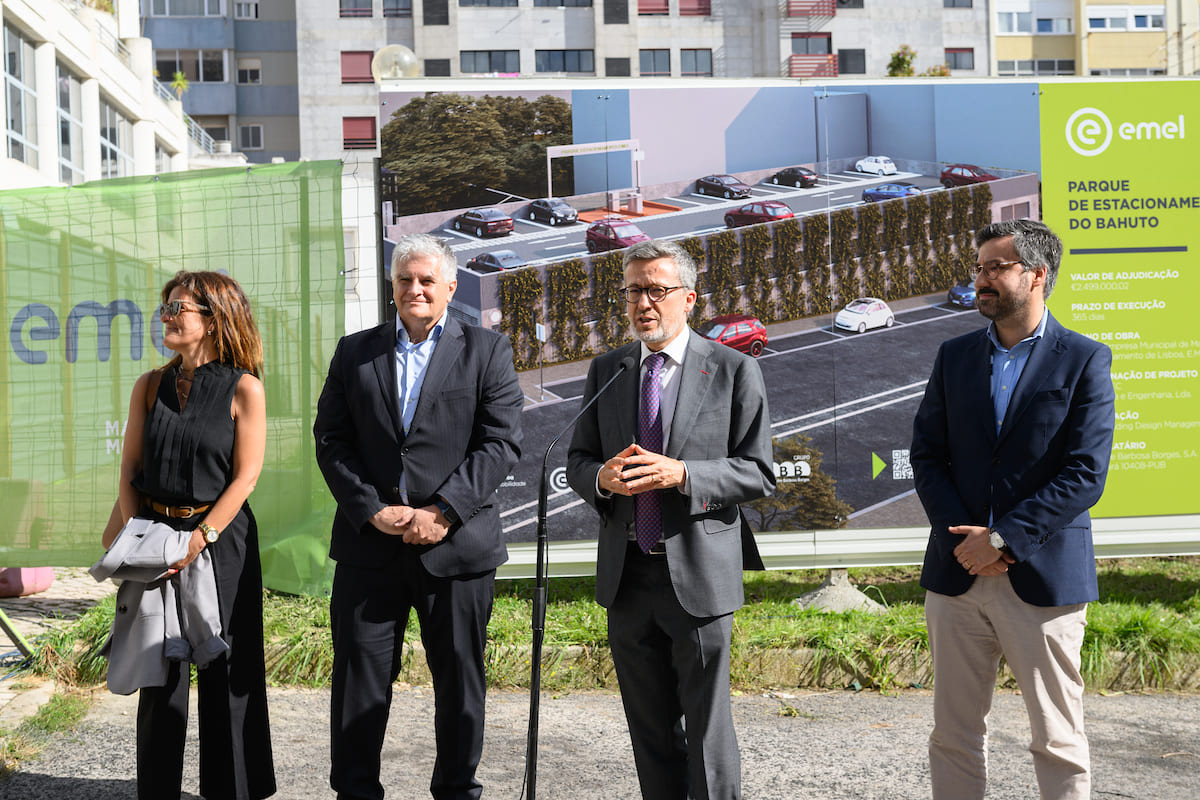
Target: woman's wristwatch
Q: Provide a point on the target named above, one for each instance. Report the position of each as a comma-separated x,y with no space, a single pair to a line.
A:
211,534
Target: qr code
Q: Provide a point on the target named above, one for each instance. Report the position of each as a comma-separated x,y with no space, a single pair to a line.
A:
901,469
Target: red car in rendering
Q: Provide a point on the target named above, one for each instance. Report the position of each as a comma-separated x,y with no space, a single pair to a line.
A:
739,331
484,222
755,213
613,233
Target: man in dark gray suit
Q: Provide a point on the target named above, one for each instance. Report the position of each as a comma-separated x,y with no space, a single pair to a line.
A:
419,422
665,457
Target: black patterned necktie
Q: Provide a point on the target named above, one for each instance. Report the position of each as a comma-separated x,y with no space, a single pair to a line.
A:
647,506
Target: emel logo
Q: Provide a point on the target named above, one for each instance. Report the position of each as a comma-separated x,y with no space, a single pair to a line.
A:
1089,132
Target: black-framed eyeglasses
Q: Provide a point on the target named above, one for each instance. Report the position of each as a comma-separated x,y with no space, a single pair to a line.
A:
993,269
633,294
176,307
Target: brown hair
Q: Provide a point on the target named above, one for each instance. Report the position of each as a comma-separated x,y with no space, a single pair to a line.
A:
235,335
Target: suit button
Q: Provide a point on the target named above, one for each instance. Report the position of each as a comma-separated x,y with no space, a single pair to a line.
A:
121,609
396,489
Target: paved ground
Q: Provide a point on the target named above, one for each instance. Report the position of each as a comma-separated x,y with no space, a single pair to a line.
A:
809,745
799,745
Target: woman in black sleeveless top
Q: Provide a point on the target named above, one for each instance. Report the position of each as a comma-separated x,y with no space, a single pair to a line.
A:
193,451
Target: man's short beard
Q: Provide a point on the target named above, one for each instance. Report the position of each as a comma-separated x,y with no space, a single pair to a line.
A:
657,336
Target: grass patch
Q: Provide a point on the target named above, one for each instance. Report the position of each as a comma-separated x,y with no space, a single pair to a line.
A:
1144,629
62,712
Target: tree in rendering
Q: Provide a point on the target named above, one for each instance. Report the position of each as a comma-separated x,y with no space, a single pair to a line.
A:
805,498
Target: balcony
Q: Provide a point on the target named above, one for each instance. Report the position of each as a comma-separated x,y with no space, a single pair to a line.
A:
810,8
812,66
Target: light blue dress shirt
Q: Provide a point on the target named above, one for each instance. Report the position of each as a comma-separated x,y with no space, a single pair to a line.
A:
412,362
1007,366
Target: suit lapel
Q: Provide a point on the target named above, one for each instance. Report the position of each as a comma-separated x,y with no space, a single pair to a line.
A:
695,376
385,371
627,390
445,356
1036,369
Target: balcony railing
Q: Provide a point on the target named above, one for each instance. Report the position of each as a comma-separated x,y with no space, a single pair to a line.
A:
811,8
114,44
812,66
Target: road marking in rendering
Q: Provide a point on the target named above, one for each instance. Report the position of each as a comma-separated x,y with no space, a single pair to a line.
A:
839,417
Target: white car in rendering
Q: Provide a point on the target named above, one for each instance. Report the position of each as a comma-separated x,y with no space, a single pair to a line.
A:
879,165
865,313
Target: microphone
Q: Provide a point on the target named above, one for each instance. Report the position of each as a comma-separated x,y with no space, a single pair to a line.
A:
539,594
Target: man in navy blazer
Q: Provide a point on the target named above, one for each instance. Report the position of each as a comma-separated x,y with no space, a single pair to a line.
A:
671,597
418,423
1010,449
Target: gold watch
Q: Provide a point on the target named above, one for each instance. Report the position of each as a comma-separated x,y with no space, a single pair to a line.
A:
211,534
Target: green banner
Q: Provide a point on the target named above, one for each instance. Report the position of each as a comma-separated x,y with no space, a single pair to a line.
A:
80,273
1119,186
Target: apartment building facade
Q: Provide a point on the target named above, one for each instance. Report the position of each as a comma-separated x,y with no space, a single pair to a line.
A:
238,58
1097,37
79,100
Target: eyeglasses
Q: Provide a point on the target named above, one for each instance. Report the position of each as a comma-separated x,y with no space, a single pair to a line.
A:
633,294
176,307
993,269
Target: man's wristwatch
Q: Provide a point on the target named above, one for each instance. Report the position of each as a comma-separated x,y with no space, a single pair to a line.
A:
996,540
446,510
211,534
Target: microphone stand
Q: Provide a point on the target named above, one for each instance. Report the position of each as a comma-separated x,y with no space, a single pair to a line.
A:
539,593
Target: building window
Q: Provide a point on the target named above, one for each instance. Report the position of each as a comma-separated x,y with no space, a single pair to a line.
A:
1014,22
1046,66
653,7
1016,211
162,157
812,44
1123,18
484,61
512,3
245,10
437,68
849,3
70,128
617,67
116,142
852,62
358,133
654,62
616,12
22,99
1148,22
198,66
559,3
187,8
354,8
250,137
564,61
397,8
695,63
356,66
956,3
249,71
1054,25
695,8
960,57
436,12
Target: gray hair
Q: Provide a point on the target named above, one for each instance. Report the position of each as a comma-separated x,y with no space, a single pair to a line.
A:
422,244
685,266
1036,245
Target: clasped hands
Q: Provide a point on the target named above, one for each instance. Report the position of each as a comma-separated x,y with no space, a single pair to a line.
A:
635,470
424,525
976,554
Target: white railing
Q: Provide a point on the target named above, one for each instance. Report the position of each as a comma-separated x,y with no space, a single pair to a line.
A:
195,132
1125,537
109,40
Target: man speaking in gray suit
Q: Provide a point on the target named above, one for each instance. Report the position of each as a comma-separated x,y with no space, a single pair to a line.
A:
665,457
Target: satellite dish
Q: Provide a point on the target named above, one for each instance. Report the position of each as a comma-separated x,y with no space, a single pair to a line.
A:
394,62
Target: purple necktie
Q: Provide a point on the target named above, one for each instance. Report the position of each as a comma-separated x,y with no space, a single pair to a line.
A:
647,509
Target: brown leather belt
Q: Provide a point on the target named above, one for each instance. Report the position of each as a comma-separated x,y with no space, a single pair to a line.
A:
175,512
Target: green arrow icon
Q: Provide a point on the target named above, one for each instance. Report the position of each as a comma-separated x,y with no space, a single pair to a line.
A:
878,465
